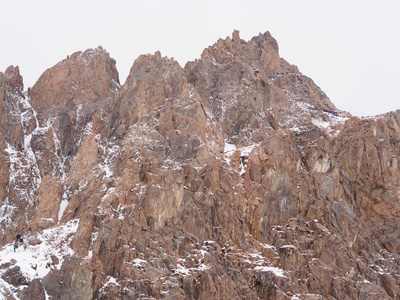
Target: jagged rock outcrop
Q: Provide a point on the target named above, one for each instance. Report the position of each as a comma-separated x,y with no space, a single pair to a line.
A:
70,282
14,276
12,108
34,290
4,170
232,177
43,130
85,78
67,98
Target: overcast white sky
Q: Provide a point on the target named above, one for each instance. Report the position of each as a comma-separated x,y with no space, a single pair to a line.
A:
351,49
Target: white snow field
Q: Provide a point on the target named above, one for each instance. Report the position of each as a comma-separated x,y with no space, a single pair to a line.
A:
36,261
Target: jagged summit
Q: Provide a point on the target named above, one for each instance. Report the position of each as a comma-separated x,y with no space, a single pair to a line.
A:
14,78
234,176
86,77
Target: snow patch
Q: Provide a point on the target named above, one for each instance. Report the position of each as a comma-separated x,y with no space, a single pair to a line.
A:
109,192
320,123
289,246
110,281
137,262
278,272
185,271
37,260
121,215
63,206
229,148
245,151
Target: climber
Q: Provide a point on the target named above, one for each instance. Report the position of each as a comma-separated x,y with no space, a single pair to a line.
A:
29,231
331,112
25,245
15,245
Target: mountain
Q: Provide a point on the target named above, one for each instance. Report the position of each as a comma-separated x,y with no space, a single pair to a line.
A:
233,177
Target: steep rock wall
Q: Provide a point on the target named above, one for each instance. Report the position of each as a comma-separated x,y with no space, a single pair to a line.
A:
234,176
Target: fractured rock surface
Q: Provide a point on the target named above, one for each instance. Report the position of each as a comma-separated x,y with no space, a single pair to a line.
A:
234,176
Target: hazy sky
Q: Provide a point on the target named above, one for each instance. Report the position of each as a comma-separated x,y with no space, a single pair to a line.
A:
351,49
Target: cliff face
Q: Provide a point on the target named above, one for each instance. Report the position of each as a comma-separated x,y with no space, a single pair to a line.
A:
234,176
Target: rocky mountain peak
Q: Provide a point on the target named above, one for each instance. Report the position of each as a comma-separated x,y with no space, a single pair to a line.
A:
233,177
14,78
147,70
262,52
12,104
153,80
88,78
267,40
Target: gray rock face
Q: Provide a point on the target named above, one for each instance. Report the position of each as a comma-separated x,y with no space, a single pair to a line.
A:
34,291
71,282
14,277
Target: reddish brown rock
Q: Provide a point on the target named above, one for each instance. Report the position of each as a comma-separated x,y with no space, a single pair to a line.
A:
4,170
305,206
71,276
48,204
12,106
34,291
84,78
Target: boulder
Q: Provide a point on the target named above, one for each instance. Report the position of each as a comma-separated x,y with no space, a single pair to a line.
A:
34,291
14,277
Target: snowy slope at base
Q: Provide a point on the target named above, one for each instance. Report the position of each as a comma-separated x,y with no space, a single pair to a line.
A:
55,242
